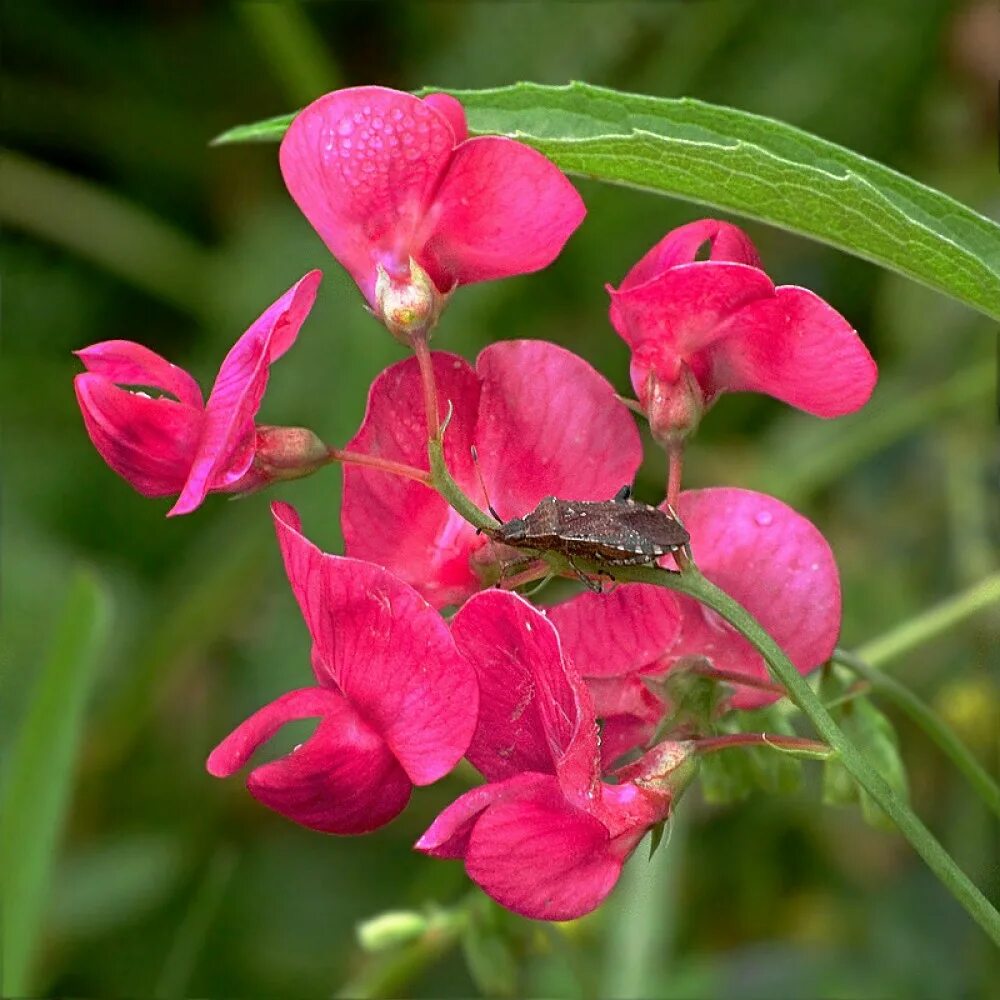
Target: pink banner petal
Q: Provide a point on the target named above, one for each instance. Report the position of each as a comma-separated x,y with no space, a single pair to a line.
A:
502,209
388,651
777,565
363,165
398,522
126,363
549,424
149,442
226,447
798,349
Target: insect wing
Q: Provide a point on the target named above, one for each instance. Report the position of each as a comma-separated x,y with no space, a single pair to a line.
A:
654,525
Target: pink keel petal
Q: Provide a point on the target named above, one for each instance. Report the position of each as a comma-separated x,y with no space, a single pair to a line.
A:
363,164
226,447
502,209
342,780
149,442
549,424
397,522
680,246
617,632
539,856
777,565
126,363
388,651
535,712
798,349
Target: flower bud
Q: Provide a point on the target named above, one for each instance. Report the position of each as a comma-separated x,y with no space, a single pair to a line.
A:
411,307
287,453
674,408
389,930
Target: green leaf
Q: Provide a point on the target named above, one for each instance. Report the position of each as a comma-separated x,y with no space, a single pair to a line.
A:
39,774
489,955
875,736
746,164
268,130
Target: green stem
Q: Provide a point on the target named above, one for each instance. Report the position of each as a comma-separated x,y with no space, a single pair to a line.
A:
693,584
916,631
930,722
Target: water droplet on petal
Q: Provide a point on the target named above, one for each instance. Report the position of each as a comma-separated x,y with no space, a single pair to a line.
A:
764,518
345,126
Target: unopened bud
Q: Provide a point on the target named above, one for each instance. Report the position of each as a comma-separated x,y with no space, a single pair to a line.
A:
288,453
674,408
409,307
389,930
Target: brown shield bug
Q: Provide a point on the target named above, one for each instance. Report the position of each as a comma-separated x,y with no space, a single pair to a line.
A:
617,532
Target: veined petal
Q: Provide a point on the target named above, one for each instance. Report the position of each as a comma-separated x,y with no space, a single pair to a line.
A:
502,209
798,349
535,713
777,565
550,425
400,523
150,443
126,363
363,165
342,780
226,446
726,242
388,651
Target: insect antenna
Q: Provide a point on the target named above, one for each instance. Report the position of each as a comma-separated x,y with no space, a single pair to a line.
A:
482,485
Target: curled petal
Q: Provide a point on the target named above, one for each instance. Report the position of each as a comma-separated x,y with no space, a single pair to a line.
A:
387,650
150,443
342,780
125,363
777,565
614,633
535,712
452,109
502,209
363,165
798,349
550,425
398,522
726,242
226,446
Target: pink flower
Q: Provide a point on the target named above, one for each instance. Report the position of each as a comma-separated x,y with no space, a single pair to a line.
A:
396,701
545,837
544,422
176,443
698,328
762,553
384,177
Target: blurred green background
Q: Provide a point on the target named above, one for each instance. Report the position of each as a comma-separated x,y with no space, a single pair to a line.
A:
121,222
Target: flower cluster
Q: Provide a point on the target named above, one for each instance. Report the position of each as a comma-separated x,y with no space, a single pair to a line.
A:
561,708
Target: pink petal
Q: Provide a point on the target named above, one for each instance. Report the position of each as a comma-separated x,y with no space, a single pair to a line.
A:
798,349
388,651
226,448
680,246
535,712
452,109
363,165
398,522
126,363
616,632
540,857
149,442
549,424
681,313
448,835
342,780
777,565
502,209
629,713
